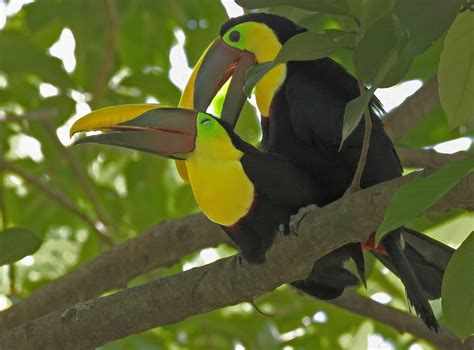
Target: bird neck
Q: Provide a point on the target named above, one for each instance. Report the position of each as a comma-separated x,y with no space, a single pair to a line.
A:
266,48
267,88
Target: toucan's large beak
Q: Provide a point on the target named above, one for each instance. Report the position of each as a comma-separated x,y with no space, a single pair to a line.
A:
161,130
218,63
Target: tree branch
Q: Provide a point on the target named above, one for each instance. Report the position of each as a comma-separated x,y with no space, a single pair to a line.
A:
57,196
161,246
428,159
3,207
399,320
224,282
415,107
109,54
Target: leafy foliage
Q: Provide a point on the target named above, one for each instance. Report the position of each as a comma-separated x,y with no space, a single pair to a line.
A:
126,50
415,197
16,243
458,284
456,71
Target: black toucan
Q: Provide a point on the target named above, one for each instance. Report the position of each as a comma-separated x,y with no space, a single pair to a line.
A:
236,186
302,106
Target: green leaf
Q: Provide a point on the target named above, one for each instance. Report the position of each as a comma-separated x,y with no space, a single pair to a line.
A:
16,243
336,7
456,71
457,290
256,73
354,112
379,44
369,11
302,47
355,108
424,21
430,130
410,29
414,198
307,46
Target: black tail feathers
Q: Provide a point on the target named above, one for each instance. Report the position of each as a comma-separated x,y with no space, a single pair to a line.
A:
329,276
408,264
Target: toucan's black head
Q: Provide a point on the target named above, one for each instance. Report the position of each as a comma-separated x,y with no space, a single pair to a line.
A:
243,42
283,27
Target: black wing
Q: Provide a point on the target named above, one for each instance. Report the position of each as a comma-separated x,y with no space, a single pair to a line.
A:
317,94
280,181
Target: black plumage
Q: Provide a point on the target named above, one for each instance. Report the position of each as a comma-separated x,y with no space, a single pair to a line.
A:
305,126
281,188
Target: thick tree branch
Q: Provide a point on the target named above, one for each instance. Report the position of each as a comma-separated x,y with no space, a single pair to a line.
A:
428,159
225,282
415,107
161,246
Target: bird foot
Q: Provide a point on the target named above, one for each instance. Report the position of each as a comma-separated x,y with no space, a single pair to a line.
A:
295,220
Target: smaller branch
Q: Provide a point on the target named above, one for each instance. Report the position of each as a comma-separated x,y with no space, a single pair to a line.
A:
35,115
3,206
4,223
83,180
57,196
415,107
428,159
355,185
109,55
399,320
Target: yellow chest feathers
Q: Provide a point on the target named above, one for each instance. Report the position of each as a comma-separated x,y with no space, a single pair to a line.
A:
220,185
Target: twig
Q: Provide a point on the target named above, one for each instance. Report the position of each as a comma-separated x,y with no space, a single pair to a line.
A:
224,282
4,223
109,54
35,115
3,207
414,108
83,180
57,196
355,185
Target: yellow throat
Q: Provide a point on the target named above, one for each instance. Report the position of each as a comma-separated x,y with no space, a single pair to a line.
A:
219,183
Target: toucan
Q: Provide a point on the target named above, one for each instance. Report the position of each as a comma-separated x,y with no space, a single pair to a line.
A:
237,186
302,105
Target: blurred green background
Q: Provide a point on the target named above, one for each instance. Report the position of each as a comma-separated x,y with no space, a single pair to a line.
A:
61,58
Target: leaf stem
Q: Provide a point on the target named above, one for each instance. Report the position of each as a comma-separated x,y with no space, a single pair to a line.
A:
355,184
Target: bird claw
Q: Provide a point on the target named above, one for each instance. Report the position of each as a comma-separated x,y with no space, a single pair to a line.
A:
284,229
295,220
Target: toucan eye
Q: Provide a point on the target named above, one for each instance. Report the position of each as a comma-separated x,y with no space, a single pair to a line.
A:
234,36
205,121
